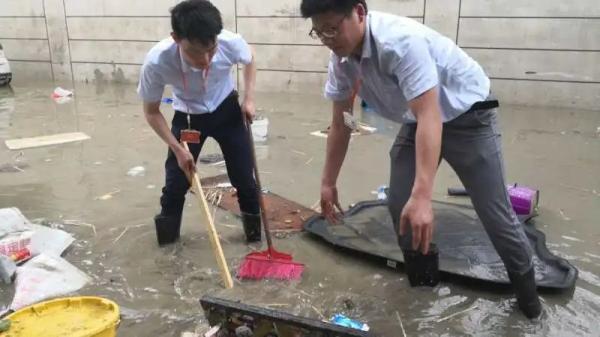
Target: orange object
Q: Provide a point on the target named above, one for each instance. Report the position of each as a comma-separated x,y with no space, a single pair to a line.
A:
190,136
21,255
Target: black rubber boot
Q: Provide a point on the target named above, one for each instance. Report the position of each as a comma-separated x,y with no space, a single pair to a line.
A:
251,224
526,291
167,229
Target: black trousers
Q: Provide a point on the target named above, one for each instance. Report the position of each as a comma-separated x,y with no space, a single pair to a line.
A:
226,126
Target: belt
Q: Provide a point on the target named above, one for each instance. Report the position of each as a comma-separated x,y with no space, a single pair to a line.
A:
484,105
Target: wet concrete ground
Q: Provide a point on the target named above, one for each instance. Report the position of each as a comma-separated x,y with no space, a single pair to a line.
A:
556,150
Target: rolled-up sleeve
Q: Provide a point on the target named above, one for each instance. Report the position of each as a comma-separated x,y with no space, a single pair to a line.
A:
151,85
414,68
339,85
243,53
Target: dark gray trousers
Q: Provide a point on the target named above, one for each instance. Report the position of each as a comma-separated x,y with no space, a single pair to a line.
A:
471,145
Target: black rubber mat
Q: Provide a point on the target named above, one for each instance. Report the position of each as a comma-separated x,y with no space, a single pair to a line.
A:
464,247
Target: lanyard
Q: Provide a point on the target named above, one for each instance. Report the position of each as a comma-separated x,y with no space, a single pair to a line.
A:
185,83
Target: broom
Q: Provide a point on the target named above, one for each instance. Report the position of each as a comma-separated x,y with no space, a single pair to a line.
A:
268,264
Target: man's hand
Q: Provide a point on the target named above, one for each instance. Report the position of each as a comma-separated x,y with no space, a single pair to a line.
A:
249,110
417,212
185,160
329,202
418,215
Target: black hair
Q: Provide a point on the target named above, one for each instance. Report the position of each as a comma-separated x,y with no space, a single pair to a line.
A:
310,8
196,21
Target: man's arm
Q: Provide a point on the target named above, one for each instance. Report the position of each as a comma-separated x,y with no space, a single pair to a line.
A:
248,106
158,123
418,212
337,143
337,147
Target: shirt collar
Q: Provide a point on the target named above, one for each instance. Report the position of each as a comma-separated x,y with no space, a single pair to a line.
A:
185,67
366,47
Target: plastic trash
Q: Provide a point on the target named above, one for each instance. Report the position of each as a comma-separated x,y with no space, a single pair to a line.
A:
61,96
523,199
45,277
21,256
382,192
138,171
18,234
12,220
60,92
342,320
8,269
15,242
260,129
50,241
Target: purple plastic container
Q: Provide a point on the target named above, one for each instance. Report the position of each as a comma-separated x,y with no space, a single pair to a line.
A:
523,199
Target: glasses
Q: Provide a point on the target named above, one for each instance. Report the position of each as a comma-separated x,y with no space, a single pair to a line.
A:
328,33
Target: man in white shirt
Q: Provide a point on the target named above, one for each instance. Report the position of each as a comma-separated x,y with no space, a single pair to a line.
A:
413,75
196,61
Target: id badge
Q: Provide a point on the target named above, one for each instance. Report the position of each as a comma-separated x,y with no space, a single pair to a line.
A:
190,136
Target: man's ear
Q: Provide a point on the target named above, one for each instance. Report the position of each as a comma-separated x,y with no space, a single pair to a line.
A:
361,12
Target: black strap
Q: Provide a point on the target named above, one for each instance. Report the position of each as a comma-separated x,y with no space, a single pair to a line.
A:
485,105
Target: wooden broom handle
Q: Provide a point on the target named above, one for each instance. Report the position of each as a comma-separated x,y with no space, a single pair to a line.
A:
212,232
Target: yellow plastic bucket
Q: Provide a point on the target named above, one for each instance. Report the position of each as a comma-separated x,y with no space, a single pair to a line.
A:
72,317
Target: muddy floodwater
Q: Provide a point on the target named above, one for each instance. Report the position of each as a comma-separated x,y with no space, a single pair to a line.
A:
158,289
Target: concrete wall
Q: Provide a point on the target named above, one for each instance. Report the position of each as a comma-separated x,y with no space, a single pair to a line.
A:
536,52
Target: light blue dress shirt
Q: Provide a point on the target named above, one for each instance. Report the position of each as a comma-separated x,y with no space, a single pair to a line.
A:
194,91
402,59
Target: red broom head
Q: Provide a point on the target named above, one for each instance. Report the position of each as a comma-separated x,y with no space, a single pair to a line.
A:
260,267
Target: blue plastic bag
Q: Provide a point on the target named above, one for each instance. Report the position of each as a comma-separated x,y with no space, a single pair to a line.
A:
342,320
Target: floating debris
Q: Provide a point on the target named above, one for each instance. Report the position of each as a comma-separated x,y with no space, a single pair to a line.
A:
138,171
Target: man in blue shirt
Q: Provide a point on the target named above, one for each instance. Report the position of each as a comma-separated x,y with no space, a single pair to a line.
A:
413,75
196,61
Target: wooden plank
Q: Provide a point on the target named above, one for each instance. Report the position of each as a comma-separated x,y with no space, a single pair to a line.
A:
61,138
531,8
283,214
570,34
539,64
